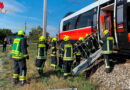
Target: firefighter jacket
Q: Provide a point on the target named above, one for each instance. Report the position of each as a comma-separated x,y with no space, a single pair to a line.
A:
88,44
19,49
67,51
60,49
53,49
42,48
107,44
77,49
95,42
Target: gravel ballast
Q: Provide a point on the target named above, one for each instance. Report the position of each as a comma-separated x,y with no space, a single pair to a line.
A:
118,79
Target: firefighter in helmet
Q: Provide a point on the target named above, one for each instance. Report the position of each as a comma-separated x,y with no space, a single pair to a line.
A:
19,55
60,64
107,43
88,44
78,52
95,41
67,50
42,47
25,37
53,53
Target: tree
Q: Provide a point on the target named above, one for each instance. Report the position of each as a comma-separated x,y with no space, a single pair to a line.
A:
4,33
36,33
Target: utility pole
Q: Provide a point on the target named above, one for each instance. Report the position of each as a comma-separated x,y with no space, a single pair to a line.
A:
44,18
25,26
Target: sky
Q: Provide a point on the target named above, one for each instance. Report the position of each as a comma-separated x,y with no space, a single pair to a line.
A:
31,12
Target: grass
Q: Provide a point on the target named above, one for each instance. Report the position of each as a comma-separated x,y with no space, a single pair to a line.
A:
50,80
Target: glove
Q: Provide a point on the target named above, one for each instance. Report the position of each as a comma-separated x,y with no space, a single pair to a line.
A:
27,57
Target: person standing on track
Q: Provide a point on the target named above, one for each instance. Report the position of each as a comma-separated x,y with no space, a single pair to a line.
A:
107,43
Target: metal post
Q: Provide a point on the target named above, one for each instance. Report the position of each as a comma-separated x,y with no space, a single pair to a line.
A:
44,18
25,27
115,25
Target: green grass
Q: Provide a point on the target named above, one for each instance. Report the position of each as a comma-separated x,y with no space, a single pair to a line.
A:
50,80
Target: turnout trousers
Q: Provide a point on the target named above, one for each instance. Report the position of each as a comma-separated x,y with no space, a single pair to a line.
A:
60,65
67,68
53,62
107,60
20,69
41,66
78,58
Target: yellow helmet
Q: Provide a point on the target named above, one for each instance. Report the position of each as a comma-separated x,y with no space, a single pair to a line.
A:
21,33
106,32
81,39
87,35
42,38
54,39
66,38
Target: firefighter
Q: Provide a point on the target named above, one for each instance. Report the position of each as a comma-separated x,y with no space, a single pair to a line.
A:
91,39
78,52
60,64
88,43
107,43
53,53
95,41
42,47
19,55
67,50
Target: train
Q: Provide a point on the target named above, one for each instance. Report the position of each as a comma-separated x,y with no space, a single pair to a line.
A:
113,15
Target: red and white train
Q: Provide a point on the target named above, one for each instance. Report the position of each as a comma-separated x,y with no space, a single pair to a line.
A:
113,15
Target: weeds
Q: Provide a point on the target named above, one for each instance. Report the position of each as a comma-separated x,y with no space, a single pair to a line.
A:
50,80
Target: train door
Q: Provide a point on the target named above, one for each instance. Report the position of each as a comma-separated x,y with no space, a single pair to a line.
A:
106,20
123,33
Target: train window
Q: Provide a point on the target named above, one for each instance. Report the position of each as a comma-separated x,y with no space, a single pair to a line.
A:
66,25
95,20
72,23
85,20
107,22
69,24
120,14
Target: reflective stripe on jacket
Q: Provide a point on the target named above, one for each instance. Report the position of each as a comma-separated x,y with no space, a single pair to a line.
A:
42,50
16,52
53,49
68,52
108,44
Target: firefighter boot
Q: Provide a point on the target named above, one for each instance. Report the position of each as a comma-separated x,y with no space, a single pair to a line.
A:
107,70
40,72
22,82
15,80
107,66
65,77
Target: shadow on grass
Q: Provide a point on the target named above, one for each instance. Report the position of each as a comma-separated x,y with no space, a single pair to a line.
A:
93,69
45,76
52,72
